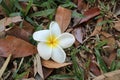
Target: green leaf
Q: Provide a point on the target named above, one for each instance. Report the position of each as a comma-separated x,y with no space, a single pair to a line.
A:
15,14
5,7
69,4
0,1
48,4
20,76
44,13
79,72
17,5
100,44
77,15
100,61
113,66
118,65
118,53
28,7
31,21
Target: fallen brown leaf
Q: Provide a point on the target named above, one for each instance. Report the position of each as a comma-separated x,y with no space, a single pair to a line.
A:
97,28
90,14
17,47
47,71
110,59
52,64
114,75
63,17
107,35
24,33
112,56
110,42
94,69
78,34
117,25
6,21
12,19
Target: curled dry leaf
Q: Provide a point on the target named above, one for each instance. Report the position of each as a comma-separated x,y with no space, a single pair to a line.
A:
117,25
63,17
78,34
90,14
114,75
24,33
94,68
38,66
52,64
110,42
97,28
6,21
17,47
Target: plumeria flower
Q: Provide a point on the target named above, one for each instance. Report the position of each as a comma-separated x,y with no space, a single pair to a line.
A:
52,42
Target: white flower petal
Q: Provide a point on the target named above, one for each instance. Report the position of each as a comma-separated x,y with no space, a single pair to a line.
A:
66,40
41,35
44,50
54,28
58,55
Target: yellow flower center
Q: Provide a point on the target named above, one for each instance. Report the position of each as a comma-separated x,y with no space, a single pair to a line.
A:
52,41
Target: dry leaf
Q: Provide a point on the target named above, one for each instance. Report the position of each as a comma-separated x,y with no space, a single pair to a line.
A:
110,59
114,75
17,47
52,64
38,66
24,33
78,34
107,35
47,71
63,17
117,25
6,21
112,56
97,28
19,33
10,20
28,27
90,14
5,65
110,42
94,68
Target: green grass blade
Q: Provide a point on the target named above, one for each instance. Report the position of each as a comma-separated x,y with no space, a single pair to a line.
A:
113,66
28,6
79,72
100,61
43,13
5,7
15,14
